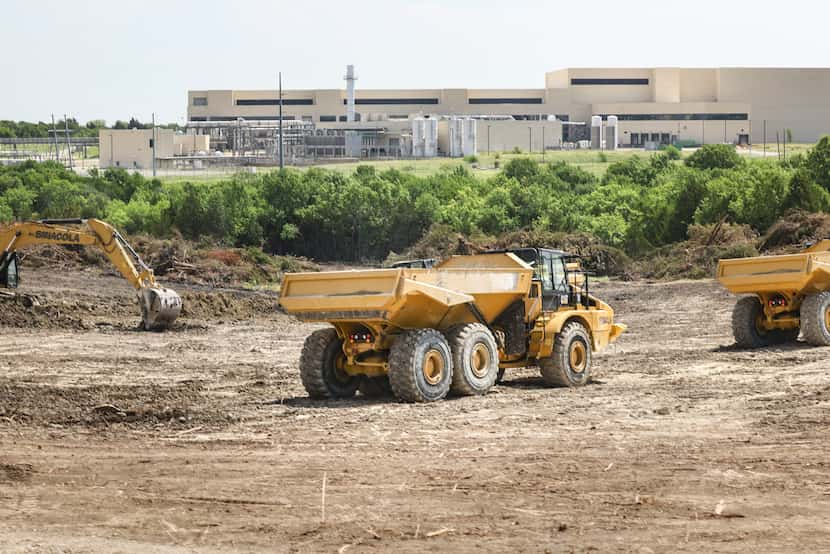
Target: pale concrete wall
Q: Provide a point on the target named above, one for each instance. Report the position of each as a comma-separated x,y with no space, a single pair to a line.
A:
131,148
187,145
507,135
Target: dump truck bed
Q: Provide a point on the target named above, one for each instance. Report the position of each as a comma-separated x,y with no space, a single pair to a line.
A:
804,273
409,298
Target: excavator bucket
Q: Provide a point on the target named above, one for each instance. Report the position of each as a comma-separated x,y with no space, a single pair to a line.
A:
159,308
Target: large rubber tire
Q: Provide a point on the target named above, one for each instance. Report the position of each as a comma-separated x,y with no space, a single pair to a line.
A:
570,363
815,319
745,315
375,387
318,367
420,366
475,359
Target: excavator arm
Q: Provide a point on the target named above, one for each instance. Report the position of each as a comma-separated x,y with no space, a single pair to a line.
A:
159,306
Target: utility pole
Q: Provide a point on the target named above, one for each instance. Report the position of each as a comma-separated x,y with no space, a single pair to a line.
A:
282,160
530,140
488,140
67,139
765,138
55,138
154,144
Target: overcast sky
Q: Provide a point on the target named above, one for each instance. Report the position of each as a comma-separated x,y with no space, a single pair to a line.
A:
115,59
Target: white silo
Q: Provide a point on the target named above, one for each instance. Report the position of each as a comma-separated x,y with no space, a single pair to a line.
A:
612,133
469,143
430,137
596,132
418,137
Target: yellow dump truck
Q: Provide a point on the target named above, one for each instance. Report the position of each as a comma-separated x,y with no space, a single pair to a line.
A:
787,295
420,332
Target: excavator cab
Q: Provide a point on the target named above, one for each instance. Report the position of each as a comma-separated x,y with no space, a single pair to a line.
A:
8,271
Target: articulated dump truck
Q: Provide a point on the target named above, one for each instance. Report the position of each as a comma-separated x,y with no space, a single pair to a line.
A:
422,330
787,295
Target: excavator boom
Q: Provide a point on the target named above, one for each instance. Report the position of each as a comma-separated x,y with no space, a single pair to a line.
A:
159,306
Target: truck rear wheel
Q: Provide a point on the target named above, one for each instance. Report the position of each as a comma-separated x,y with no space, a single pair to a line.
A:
475,359
746,324
815,319
570,364
420,366
321,367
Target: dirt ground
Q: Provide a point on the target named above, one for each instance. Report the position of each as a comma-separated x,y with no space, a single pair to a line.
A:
202,439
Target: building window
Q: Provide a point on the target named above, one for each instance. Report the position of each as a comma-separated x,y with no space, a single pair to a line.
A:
682,117
504,100
328,118
307,118
250,118
609,82
196,118
392,101
274,102
200,100
356,117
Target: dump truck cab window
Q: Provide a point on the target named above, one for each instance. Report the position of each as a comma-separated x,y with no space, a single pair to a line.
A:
554,276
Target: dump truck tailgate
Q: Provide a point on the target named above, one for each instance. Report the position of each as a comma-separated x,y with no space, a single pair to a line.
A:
792,272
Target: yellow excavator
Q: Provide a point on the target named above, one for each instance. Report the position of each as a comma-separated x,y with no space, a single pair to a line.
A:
159,306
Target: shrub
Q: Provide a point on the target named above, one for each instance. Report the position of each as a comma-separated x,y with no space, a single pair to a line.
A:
671,151
471,159
715,156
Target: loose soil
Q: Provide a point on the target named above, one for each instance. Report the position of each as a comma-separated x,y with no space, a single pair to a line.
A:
201,439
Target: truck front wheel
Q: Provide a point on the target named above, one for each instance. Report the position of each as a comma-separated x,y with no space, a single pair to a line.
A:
420,366
570,364
321,367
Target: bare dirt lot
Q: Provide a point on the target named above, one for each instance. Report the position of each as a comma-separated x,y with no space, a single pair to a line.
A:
202,439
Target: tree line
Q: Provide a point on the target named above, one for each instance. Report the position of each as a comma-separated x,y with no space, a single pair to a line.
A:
41,129
638,205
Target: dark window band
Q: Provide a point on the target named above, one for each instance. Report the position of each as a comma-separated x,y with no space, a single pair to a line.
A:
392,101
274,102
504,100
250,118
609,81
682,117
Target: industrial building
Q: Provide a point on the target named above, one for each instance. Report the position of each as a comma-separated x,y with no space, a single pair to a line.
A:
652,106
133,148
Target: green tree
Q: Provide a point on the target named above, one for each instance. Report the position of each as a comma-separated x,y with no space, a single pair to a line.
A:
715,156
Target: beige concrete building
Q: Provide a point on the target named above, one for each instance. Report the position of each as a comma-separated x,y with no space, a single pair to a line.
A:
133,148
663,105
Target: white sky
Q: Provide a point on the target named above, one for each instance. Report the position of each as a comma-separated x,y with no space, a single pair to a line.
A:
112,59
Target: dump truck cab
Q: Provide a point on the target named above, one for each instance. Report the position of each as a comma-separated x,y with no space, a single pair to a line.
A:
423,331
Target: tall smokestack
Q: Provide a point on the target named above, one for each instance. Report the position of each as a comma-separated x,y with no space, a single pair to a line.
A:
350,79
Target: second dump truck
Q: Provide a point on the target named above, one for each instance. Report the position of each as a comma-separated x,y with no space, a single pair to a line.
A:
787,295
421,332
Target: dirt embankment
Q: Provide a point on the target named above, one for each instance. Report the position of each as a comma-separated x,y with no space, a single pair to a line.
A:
204,440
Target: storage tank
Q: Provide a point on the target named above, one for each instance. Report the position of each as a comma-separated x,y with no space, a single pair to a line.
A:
418,137
469,140
430,138
596,132
612,133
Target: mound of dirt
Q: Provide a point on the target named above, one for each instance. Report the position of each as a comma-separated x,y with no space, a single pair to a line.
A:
440,242
26,311
697,257
218,306
25,403
794,230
